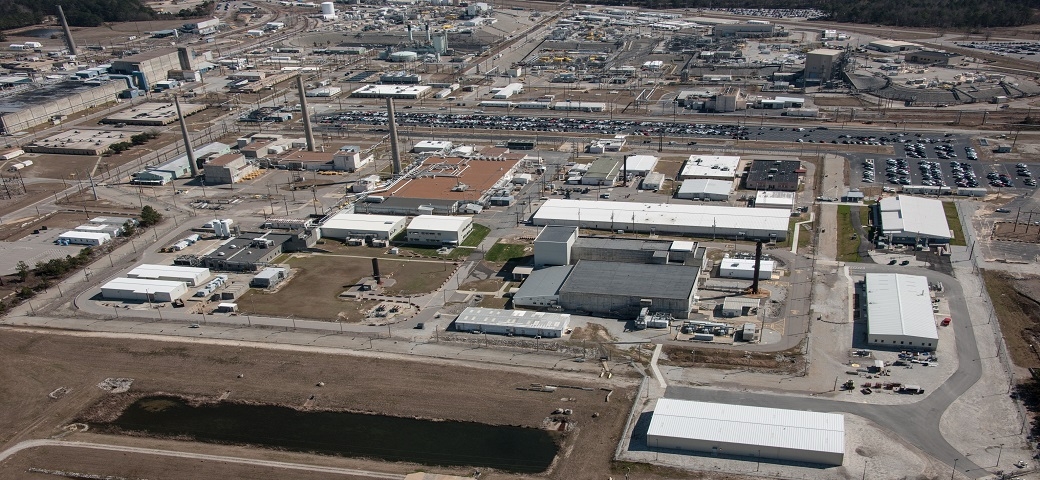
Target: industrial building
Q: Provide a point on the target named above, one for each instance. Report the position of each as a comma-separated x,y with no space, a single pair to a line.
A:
899,312
561,245
668,218
191,276
715,167
774,199
553,245
227,168
400,92
602,171
784,175
513,322
269,277
350,158
744,268
44,103
178,167
90,239
745,30
110,230
152,114
932,57
442,185
705,189
351,225
143,290
81,141
640,165
890,46
912,220
653,181
153,66
250,252
433,146
439,230
743,431
822,64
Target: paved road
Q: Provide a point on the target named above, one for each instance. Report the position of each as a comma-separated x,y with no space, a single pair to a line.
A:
28,444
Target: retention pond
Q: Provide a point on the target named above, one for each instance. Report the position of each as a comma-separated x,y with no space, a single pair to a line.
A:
428,442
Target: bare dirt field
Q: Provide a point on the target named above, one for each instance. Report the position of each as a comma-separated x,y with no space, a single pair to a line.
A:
36,364
14,231
785,362
1017,232
33,193
314,290
1017,302
840,102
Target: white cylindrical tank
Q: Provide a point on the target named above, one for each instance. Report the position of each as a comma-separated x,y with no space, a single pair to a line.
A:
403,56
328,8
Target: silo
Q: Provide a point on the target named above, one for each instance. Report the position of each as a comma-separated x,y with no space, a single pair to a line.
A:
328,8
440,44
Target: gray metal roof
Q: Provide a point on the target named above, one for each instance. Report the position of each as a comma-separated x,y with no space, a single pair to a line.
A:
514,318
545,282
632,279
42,95
623,244
556,233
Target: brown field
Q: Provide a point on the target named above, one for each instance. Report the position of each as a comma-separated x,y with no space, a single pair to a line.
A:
1017,302
314,290
35,364
35,192
1020,232
788,361
840,102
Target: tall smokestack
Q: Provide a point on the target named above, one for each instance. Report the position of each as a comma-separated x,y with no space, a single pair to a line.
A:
624,172
411,38
375,271
758,266
69,42
192,163
429,36
394,151
306,114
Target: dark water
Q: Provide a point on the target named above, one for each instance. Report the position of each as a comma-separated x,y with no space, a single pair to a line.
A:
515,449
40,32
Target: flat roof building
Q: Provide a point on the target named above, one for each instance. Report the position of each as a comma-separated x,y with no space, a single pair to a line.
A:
899,312
81,141
931,57
39,105
402,92
738,430
91,239
705,189
143,290
513,322
228,168
640,165
710,166
784,175
890,46
822,64
913,220
553,245
697,220
249,252
610,288
152,114
432,146
774,199
439,230
744,268
351,225
191,276
269,277
602,171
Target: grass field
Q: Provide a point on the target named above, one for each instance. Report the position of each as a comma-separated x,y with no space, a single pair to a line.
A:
503,252
954,221
314,290
848,240
479,233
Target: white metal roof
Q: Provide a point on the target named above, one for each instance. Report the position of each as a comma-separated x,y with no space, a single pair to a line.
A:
904,215
706,186
439,223
90,235
747,264
641,163
682,246
900,305
362,222
591,211
713,166
515,318
765,197
156,271
760,426
143,285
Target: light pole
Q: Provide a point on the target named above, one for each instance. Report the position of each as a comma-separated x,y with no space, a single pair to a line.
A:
1000,451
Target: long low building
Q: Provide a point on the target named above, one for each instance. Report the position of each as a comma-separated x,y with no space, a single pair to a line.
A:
513,322
143,290
698,220
192,276
899,312
346,225
913,220
439,230
744,431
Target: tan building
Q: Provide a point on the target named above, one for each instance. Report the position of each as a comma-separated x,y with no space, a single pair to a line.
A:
822,64
229,168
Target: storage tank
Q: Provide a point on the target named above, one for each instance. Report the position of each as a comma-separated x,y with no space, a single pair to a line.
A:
404,56
328,8
703,337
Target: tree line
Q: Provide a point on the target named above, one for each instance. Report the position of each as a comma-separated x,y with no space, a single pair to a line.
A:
89,13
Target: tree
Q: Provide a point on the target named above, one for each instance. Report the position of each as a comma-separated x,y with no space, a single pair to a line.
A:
129,229
23,270
150,216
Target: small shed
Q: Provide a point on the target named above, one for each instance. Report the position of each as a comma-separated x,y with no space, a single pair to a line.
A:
227,307
269,277
852,196
749,333
739,306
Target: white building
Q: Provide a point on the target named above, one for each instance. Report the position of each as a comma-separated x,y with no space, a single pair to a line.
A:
143,290
744,268
112,230
700,220
914,220
432,146
402,92
705,189
755,432
192,276
653,181
351,225
513,322
92,239
774,199
350,158
716,167
439,230
269,277
508,91
553,245
899,312
640,165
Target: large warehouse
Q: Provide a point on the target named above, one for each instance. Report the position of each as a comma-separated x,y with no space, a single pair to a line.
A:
513,322
743,431
912,220
899,312
192,276
143,290
345,225
667,218
439,230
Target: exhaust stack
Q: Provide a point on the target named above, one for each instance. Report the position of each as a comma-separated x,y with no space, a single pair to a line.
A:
395,152
69,42
375,271
192,163
306,114
758,266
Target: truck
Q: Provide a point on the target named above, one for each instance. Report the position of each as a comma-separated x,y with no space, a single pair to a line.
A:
911,389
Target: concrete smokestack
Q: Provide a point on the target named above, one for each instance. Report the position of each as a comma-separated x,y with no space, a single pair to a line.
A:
69,42
758,266
429,36
192,163
306,114
411,39
394,151
375,271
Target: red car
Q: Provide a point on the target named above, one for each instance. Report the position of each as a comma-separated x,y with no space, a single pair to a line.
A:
946,322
